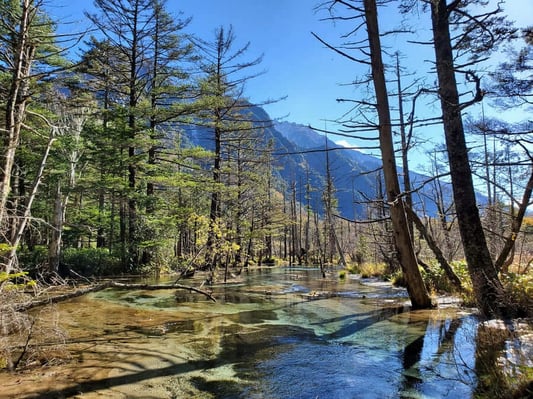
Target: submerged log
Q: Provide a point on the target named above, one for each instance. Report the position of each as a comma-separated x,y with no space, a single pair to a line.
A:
21,307
162,287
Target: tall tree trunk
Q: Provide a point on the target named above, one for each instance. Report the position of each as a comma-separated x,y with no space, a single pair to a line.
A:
405,148
54,247
214,213
415,285
100,232
17,97
487,286
12,256
294,252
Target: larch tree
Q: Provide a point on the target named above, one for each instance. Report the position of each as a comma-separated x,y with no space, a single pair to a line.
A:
105,138
513,87
224,111
407,257
171,101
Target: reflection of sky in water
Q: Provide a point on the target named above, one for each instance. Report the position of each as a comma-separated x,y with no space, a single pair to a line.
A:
373,354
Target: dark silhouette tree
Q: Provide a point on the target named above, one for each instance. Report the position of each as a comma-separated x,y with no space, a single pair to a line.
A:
480,39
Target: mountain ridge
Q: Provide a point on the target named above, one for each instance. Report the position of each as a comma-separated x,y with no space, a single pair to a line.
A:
300,158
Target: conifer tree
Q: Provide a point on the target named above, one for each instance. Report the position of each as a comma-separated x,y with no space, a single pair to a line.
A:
224,111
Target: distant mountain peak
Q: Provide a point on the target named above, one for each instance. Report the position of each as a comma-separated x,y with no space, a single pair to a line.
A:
301,135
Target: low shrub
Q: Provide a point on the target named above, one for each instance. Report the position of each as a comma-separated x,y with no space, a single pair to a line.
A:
368,269
90,261
397,279
518,295
269,262
437,280
33,260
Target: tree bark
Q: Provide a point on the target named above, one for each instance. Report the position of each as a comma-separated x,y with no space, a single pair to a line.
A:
407,258
12,256
54,247
487,286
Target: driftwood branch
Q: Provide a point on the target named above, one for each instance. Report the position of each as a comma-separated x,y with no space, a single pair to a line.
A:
432,244
161,287
98,287
515,225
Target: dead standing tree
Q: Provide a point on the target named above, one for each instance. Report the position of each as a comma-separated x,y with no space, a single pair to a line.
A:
366,11
18,51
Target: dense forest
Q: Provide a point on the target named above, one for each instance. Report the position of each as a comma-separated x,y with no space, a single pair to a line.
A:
100,175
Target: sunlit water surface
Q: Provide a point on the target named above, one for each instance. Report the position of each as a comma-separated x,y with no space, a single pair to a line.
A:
277,333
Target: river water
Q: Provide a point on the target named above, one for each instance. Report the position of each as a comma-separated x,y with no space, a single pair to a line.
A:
273,333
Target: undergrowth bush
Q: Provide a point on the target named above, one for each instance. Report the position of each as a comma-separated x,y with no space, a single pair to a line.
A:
33,260
437,281
397,279
91,261
368,269
518,294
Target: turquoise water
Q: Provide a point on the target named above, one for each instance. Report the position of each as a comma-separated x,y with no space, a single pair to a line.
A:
289,333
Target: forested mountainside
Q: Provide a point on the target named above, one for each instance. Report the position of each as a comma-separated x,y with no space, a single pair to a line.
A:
301,157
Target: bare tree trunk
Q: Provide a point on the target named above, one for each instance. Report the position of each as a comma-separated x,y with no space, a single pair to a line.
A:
415,285
294,251
319,247
405,148
54,247
12,256
72,127
509,245
487,286
17,97
308,215
436,250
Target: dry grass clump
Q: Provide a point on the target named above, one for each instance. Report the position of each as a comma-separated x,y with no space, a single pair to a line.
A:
27,338
368,269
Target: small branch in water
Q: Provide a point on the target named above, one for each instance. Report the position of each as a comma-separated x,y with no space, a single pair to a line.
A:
98,287
162,287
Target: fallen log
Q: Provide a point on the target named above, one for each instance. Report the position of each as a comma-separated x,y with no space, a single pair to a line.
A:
21,307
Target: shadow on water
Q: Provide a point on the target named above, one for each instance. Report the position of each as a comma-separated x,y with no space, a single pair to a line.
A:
266,338
351,324
127,379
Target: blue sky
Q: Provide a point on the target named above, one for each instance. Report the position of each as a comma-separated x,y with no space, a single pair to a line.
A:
296,65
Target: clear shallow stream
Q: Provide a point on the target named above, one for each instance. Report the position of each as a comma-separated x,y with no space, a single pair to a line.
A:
277,333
